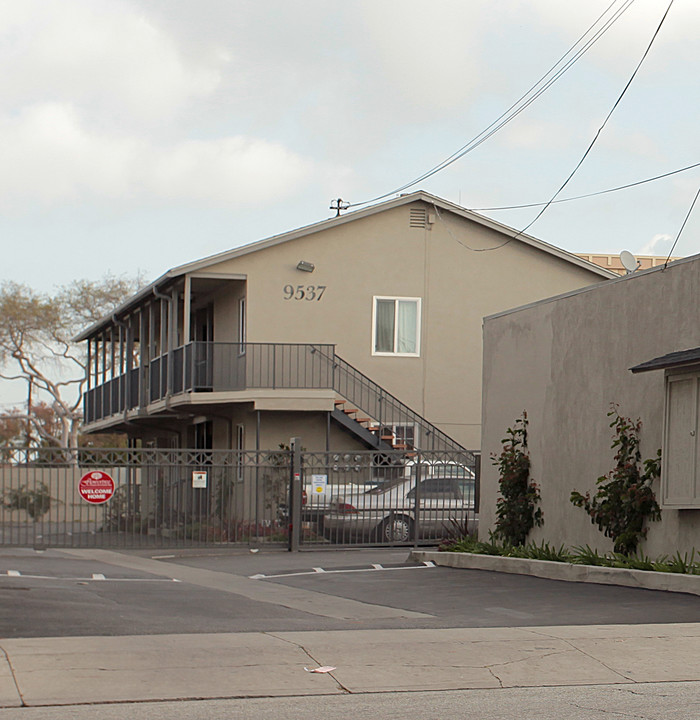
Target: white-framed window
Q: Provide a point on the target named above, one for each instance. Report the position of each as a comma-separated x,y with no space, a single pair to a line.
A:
396,326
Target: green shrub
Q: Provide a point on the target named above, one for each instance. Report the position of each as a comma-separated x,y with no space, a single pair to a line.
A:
35,502
624,500
516,510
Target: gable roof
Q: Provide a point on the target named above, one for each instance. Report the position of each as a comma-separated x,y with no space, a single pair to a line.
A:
420,195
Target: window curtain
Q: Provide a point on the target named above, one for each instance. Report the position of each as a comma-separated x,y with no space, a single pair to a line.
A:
406,338
384,326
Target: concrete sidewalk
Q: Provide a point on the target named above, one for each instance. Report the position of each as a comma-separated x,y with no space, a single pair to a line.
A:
64,671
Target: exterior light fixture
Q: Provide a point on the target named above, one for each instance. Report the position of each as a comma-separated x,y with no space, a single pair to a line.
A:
305,266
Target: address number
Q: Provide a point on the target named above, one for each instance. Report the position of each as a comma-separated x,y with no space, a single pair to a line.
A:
304,292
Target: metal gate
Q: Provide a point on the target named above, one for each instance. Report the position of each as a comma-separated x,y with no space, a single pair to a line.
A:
189,498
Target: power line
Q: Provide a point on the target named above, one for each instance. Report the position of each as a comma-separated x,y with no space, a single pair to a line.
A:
524,101
592,143
588,195
673,247
600,129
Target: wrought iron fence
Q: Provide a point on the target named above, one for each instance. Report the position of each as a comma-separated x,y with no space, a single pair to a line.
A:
94,497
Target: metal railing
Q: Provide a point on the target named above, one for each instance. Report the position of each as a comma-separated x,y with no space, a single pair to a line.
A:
220,367
172,498
213,367
386,409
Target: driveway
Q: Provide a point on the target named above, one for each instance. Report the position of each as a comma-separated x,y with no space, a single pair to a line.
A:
95,592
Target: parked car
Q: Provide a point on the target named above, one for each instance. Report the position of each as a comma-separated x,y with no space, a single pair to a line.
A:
438,468
387,512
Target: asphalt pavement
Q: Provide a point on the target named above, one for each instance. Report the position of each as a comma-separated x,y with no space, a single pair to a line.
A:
181,629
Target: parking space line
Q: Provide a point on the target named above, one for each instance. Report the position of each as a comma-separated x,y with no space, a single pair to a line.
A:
316,571
97,577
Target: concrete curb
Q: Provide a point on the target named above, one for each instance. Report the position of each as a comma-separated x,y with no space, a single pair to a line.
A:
645,579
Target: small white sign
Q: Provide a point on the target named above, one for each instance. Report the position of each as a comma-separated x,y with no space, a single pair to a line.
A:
199,478
319,483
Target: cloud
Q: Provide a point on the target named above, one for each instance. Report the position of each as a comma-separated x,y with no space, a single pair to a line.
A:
48,156
660,244
107,57
630,34
425,63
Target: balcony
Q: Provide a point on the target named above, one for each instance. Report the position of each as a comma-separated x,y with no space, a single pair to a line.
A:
202,367
213,367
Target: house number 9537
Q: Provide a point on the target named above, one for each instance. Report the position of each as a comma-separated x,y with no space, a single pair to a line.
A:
304,292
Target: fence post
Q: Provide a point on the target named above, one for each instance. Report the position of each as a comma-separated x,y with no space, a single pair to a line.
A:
416,511
477,482
295,489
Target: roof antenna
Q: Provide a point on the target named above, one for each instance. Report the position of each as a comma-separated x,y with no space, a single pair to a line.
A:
339,205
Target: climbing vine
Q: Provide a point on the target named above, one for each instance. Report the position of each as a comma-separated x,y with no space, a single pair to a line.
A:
516,510
624,500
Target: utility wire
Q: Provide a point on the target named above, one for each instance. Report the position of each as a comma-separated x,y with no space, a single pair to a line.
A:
590,147
682,226
587,195
523,102
600,129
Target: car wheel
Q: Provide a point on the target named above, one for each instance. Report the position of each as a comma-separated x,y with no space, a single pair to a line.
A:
397,529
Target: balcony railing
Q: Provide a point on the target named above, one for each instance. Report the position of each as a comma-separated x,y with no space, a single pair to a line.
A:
221,367
213,367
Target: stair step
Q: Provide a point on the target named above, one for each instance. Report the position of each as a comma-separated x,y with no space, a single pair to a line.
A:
363,420
350,411
340,402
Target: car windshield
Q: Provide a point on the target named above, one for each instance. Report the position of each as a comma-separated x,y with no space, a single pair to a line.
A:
443,470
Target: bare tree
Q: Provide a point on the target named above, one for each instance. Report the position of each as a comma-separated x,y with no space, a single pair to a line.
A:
36,342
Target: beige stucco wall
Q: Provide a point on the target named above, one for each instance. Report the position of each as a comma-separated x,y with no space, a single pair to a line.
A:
564,361
277,428
382,255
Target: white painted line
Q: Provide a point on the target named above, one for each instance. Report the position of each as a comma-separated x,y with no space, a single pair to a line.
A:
161,557
377,566
260,576
84,580
319,570
98,576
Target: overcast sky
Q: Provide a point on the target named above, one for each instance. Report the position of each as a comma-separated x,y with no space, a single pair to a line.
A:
141,134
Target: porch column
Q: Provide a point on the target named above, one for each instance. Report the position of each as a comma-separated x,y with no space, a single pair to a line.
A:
187,301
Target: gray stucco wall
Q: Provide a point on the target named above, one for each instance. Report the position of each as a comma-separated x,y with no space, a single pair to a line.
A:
564,361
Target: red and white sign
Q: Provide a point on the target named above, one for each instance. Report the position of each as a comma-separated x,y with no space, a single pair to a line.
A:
96,487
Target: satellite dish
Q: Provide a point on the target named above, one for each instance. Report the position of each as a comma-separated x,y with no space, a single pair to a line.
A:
629,261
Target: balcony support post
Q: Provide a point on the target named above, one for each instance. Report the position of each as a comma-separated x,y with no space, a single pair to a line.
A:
187,310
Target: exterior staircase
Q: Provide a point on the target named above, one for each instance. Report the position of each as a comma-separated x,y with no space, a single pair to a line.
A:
371,413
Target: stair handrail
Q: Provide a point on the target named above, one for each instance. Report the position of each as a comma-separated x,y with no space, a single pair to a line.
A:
383,395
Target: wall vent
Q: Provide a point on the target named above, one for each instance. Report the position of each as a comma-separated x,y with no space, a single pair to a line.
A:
418,218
